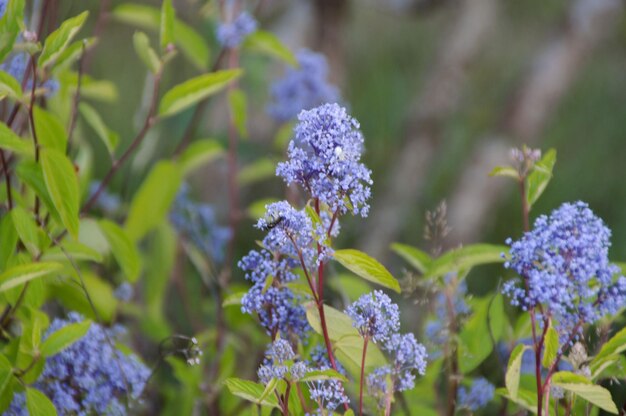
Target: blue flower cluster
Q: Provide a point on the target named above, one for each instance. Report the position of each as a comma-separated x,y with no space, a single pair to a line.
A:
3,7
231,34
276,364
378,319
328,394
289,234
198,223
89,377
324,158
375,316
565,266
302,88
480,393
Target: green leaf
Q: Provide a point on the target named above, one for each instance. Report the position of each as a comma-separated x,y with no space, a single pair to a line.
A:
238,103
70,294
539,178
72,53
38,403
475,338
14,143
6,374
64,337
524,398
367,267
10,26
50,131
123,249
191,44
513,370
18,275
551,347
145,52
31,174
199,153
583,388
152,201
465,258
62,184
269,44
250,391
615,345
26,229
234,299
167,23
414,256
74,250
9,87
93,119
261,169
192,91
8,240
505,171
57,41
317,375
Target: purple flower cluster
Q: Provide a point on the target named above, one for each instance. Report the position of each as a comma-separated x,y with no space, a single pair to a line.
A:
231,34
324,158
90,376
328,394
565,267
198,223
375,316
277,361
480,393
302,88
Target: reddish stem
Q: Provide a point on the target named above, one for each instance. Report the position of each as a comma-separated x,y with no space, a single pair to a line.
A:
365,342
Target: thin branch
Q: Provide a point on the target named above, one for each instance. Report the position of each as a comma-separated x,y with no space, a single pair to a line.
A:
7,178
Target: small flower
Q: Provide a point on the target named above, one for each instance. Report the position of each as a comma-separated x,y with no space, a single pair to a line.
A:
480,393
231,34
124,292
302,88
375,316
329,394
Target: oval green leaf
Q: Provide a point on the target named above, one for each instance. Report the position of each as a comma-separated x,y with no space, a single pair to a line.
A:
64,337
367,267
62,184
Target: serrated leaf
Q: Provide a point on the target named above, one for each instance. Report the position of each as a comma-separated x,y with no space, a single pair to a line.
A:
268,43
539,178
9,87
64,337
366,267
167,24
465,258
50,131
551,347
152,201
93,119
14,143
57,41
505,171
192,91
513,370
123,249
18,275
583,388
39,404
417,258
250,391
62,184
191,44
199,153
